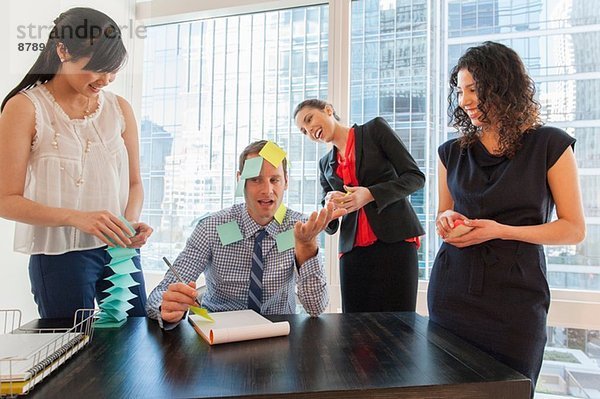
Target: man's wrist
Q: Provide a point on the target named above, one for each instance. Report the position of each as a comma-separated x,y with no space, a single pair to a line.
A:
304,252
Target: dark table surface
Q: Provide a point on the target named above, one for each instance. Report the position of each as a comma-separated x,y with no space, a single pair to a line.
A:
360,355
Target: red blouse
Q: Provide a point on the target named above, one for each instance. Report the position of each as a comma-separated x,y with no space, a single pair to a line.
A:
346,170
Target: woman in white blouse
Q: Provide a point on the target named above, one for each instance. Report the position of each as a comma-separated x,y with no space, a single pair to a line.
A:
69,166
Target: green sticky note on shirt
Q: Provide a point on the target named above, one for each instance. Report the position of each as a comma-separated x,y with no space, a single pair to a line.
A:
272,153
285,240
229,232
252,167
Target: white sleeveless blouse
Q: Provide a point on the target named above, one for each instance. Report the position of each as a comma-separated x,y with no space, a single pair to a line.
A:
74,163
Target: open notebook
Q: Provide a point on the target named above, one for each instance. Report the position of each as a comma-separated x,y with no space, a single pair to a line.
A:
237,325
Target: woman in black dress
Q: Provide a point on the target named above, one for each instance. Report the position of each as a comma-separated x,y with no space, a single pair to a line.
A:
502,177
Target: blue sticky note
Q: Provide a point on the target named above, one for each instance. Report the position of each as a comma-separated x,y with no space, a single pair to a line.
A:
118,253
122,306
229,233
285,240
124,267
122,293
252,167
116,314
122,280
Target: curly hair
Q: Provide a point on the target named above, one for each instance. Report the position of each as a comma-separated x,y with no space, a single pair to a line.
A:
505,93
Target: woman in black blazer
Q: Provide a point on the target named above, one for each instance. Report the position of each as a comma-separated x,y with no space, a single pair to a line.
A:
370,173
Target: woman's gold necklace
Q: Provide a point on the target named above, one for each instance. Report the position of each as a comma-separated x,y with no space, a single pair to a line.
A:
86,147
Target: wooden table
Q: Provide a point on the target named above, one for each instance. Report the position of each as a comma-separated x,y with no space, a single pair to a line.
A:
361,355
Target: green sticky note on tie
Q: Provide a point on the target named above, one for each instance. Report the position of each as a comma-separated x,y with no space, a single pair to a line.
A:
201,312
280,214
285,240
252,167
272,153
229,233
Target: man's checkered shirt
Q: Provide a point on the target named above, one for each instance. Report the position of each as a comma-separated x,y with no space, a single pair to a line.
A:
227,268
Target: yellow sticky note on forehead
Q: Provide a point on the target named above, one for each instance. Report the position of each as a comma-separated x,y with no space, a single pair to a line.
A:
272,153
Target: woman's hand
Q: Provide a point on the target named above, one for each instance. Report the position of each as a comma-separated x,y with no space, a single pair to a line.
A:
354,198
334,197
104,225
445,222
142,233
483,230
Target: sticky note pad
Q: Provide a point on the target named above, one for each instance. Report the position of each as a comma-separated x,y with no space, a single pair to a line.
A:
229,232
280,214
285,240
252,167
272,153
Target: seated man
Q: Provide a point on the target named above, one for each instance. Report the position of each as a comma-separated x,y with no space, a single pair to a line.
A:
230,260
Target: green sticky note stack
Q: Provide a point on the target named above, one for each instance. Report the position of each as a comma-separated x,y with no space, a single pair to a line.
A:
113,308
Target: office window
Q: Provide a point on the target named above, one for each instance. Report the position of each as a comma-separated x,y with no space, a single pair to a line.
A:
388,77
210,88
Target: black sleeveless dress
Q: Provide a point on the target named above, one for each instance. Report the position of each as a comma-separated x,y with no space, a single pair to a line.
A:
495,294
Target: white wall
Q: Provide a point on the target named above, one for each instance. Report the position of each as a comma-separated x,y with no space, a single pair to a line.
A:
15,289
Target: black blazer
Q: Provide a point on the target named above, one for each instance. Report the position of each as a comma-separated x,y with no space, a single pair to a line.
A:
386,168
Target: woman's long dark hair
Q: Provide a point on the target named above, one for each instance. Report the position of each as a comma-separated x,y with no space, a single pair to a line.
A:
505,93
84,32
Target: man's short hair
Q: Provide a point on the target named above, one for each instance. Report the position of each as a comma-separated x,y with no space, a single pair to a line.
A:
255,148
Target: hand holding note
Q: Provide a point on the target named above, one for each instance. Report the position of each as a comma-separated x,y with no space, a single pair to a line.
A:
142,233
177,300
354,199
335,198
459,229
109,228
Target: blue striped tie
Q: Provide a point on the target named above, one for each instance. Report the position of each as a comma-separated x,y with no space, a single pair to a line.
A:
256,273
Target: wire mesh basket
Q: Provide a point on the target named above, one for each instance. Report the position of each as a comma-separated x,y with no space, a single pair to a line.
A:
28,355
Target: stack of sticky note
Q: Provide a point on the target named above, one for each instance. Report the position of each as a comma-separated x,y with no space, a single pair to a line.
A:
113,308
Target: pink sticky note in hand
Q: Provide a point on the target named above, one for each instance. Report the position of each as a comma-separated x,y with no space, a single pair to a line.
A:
459,229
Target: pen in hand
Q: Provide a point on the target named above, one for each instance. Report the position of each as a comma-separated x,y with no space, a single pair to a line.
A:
178,276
